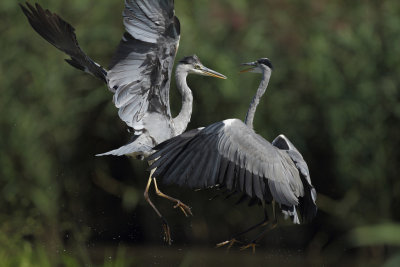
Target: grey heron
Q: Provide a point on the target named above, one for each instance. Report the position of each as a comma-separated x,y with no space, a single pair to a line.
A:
139,75
229,154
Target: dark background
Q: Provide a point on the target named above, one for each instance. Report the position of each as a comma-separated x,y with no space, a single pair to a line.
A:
334,92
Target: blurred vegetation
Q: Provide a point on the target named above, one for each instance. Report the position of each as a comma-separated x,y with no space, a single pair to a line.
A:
334,92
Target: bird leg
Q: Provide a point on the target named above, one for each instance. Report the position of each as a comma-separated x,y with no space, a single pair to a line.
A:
167,232
272,225
230,243
184,208
253,243
234,240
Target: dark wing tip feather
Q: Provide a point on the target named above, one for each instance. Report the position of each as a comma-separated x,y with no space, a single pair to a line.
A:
61,34
24,8
75,64
307,206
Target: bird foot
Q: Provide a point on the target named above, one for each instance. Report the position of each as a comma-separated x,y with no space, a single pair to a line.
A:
250,245
230,243
167,232
184,208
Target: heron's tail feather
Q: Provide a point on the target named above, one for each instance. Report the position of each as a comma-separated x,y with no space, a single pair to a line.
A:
61,34
138,147
291,212
131,149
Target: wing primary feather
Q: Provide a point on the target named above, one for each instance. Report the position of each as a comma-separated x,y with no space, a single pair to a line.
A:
163,164
222,169
186,176
229,175
212,162
164,157
248,176
267,195
174,165
179,165
177,168
209,169
188,171
206,148
242,179
223,148
233,180
274,191
257,187
194,180
190,151
249,187
212,179
198,179
179,142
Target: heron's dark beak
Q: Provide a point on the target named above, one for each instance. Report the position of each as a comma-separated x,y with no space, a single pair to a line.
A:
209,72
252,64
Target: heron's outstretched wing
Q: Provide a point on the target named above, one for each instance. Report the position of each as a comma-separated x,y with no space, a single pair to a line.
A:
230,154
140,72
62,35
308,208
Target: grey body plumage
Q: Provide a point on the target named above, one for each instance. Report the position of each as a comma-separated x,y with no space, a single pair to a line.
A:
231,155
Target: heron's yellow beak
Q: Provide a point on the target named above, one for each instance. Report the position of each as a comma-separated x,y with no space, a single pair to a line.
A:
212,73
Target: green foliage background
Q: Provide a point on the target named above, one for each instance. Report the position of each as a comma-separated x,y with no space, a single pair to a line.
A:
334,92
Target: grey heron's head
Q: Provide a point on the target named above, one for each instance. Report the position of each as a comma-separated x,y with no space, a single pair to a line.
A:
258,66
193,65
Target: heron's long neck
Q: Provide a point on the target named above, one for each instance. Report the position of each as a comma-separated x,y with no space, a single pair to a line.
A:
256,99
182,120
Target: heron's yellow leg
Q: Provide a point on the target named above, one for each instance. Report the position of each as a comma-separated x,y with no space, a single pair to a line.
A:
184,208
167,232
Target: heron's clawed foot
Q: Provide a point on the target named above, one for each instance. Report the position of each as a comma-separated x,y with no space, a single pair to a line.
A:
167,232
230,243
250,245
184,208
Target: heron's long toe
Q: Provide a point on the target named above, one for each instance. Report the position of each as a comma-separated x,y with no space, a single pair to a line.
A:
167,232
184,208
250,245
230,243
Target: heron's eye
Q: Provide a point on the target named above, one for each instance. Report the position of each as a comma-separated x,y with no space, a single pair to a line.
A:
197,67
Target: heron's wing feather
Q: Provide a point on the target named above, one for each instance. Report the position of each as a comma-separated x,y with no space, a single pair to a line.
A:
308,208
282,142
244,161
140,71
61,34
